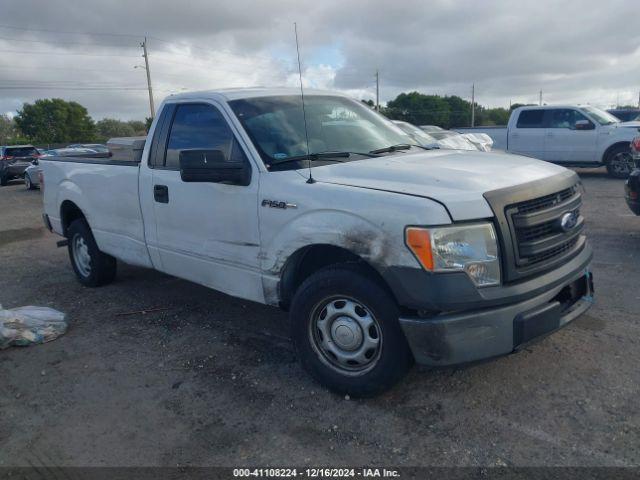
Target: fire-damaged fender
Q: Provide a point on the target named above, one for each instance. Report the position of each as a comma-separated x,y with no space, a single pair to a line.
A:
371,229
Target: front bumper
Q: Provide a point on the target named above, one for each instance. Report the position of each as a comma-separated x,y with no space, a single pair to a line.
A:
469,336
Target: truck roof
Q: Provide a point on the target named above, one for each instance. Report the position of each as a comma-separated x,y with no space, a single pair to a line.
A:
228,94
559,105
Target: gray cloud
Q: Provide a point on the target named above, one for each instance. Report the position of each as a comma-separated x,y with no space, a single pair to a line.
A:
575,51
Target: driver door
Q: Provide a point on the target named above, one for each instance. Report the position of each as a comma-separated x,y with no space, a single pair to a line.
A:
565,143
206,232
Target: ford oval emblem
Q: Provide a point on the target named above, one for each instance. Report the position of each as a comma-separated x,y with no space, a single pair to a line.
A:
568,221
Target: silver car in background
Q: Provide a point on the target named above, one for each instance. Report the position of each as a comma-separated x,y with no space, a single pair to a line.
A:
31,174
444,139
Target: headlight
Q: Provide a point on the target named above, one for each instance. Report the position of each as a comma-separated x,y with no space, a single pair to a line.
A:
470,248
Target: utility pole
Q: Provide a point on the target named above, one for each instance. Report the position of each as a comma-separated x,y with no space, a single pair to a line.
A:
146,63
473,104
638,99
377,91
540,97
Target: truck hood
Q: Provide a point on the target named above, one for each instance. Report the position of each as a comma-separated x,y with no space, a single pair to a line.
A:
633,124
456,179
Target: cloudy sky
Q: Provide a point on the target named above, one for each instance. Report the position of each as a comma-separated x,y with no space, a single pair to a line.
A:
575,51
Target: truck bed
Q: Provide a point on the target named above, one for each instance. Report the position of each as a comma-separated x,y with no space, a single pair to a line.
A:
498,134
107,191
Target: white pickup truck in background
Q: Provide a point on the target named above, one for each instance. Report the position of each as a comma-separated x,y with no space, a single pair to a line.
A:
383,252
574,136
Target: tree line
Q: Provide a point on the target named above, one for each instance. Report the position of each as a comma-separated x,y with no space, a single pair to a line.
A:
57,121
449,111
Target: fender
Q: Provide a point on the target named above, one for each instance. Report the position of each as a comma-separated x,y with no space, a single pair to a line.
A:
364,239
69,191
328,227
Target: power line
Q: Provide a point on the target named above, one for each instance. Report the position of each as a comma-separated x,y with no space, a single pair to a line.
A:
24,87
129,35
28,29
109,45
66,69
70,53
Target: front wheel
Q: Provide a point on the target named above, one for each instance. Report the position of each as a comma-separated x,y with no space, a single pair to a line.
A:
620,162
92,267
346,332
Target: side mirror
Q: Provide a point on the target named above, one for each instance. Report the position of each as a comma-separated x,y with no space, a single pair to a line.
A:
584,125
211,166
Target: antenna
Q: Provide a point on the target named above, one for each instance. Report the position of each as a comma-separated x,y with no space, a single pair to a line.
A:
304,112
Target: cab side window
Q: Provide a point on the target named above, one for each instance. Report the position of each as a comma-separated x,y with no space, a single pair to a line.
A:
565,118
200,127
531,119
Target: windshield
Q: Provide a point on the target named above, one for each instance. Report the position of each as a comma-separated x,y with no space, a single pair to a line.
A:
600,116
334,124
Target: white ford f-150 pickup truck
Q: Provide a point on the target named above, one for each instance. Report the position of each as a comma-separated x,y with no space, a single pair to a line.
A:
569,135
384,253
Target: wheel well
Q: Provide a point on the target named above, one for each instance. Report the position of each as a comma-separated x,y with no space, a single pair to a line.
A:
69,212
605,156
308,260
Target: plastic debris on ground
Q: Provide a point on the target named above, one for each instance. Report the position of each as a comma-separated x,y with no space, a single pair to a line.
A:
29,325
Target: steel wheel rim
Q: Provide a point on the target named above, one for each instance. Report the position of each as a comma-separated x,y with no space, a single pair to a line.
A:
81,256
345,335
622,163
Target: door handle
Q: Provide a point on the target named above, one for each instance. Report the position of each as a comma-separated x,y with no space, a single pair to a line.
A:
161,193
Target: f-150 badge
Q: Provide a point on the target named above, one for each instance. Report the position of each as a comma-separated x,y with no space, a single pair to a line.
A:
277,204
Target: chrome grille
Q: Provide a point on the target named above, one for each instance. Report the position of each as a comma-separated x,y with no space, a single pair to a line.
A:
528,224
540,203
537,231
553,252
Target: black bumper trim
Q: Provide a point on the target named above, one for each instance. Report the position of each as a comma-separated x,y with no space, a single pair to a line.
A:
418,289
472,336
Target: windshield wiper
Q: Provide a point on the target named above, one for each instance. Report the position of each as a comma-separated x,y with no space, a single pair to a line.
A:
323,155
392,148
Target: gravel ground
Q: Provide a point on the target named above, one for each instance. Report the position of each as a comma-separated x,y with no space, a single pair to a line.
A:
212,380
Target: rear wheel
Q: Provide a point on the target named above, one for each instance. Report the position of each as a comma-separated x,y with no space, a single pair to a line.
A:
92,267
28,183
620,162
346,332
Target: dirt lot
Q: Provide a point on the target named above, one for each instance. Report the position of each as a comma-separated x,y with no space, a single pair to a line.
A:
213,380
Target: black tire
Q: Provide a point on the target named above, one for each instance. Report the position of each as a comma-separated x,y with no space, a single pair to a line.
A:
613,168
102,267
393,357
28,183
4,180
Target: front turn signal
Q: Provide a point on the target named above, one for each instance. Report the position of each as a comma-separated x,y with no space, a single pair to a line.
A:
419,242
